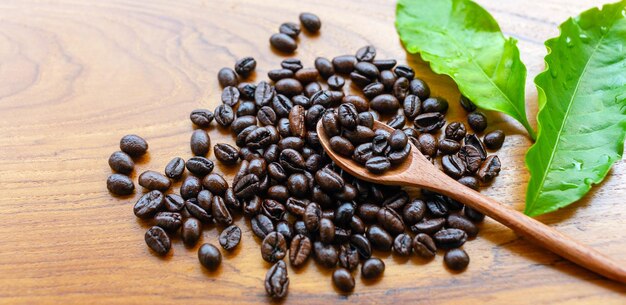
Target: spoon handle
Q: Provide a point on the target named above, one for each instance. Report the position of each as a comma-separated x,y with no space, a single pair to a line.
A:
534,230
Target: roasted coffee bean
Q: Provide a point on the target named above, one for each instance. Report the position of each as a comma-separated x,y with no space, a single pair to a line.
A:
344,64
335,82
372,268
390,220
312,217
133,145
424,246
329,180
494,139
284,228
323,97
246,90
377,165
471,157
174,203
300,250
230,96
278,192
402,245
273,247
247,186
473,140
400,88
290,28
450,238
193,207
310,22
288,86
297,121
302,100
462,223
379,238
313,115
347,116
200,142
398,140
277,172
121,162
158,240
205,199
412,106
397,200
190,187
367,69
325,255
473,214
489,169
283,42
324,67
245,66
277,281
362,245
414,211
420,88
226,153
388,79
230,237
209,256
243,122
175,168
215,183
470,182
200,166
467,104
119,184
246,108
449,146
453,166
220,212
380,145
169,221
404,71
428,144
202,117
273,209
429,226
240,140
397,121
296,206
227,77
344,213
314,163
348,257
429,122
385,103
224,115
292,161
292,64
341,146
149,204
231,201
435,104
384,64
437,206
362,153
343,279
264,94
281,105
477,121
307,75
455,131
366,53
327,231
261,226
259,138
191,231
374,89
456,259
252,206
266,116
360,104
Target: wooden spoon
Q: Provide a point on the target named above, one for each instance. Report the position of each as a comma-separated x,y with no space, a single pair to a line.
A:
417,171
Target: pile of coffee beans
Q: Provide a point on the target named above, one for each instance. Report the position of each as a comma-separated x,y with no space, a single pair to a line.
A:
296,200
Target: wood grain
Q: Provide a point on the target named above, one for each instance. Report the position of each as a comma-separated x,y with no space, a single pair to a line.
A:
75,76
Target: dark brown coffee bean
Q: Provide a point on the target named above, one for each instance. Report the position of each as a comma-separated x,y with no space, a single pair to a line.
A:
243,122
462,223
471,157
384,64
429,226
348,257
133,145
390,220
284,43
362,245
273,247
245,66
329,180
252,206
402,245
290,28
277,281
273,209
200,166
367,69
226,153
360,80
428,144
312,217
412,106
453,166
194,208
247,186
379,238
289,86
473,140
291,160
344,64
149,204
230,96
327,231
435,104
246,90
343,279
314,162
400,88
175,168
374,89
121,162
220,212
297,121
477,121
377,165
366,53
224,115
437,206
388,79
372,268
278,74
325,255
335,82
158,240
209,256
278,192
200,142
344,213
456,259
341,146
152,180
227,77
397,121
246,108
261,226
429,122
190,187
310,22
191,231
470,182
424,246
449,146
284,228
169,221
362,153
473,214
361,134
202,117
300,250
397,140
307,75
397,201
489,169
420,88
264,94
205,199
404,71
119,184
455,131
174,203
385,103
494,139
467,104
414,211
215,183
450,238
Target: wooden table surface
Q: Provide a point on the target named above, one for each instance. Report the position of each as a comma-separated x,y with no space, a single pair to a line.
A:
75,76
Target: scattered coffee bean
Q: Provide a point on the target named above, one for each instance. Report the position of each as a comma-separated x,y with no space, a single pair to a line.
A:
121,162
209,256
227,77
424,246
494,139
467,104
158,240
119,184
310,22
152,180
343,279
477,121
283,43
372,268
133,145
291,29
277,281
456,259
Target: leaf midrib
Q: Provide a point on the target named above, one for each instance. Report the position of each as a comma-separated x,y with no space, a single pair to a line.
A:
566,118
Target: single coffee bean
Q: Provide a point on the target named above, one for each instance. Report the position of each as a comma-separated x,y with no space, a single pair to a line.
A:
226,153
133,145
390,220
335,82
344,64
261,226
307,75
231,200
327,231
450,238
424,246
435,104
477,121
284,43
397,200
224,115
220,212
398,140
200,142
402,245
204,199
300,250
429,226
149,204
278,192
245,66
281,105
404,71
152,180
362,245
292,64
323,97
428,144
174,203
412,106
278,74
494,139
374,89
471,157
285,228
455,131
273,209
467,104
291,160
200,166
169,221
489,169
326,255
379,238
449,146
119,184
362,153
121,162
414,211
289,86
344,213
273,247
259,138
246,90
314,163
470,182
473,215
264,94
341,146
348,257
343,279
324,67
384,64
372,268
290,28
378,165
453,166
361,104
227,77
246,108
400,88
175,168
191,231
437,206
367,69
230,96
312,217
158,240
366,53
277,281
247,186
243,122
473,140
462,223
209,256
252,206
215,183
194,208
329,180
429,122
456,259
297,121
385,103
310,22
420,88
